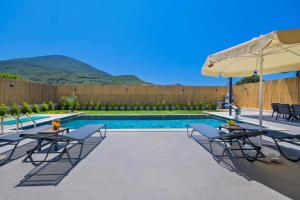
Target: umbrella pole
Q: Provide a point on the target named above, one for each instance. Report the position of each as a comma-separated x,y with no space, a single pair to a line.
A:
261,62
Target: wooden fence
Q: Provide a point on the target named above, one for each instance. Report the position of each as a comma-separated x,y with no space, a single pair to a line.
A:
246,96
142,94
12,91
276,91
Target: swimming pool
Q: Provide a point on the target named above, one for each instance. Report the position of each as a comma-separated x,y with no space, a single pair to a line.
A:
25,119
142,122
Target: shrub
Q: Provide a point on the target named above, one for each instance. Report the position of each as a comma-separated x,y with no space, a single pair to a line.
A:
68,101
59,106
44,107
10,76
98,106
50,105
26,109
3,109
202,105
35,108
90,105
3,112
76,105
15,110
16,113
214,106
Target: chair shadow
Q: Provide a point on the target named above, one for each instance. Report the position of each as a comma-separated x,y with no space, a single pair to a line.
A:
19,152
52,173
283,178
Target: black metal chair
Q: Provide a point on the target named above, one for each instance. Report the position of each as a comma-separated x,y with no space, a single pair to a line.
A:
295,112
222,138
285,111
274,108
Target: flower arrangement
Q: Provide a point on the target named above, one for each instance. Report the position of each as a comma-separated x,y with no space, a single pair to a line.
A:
231,123
56,124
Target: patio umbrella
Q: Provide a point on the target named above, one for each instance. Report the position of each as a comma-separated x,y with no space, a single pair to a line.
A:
276,52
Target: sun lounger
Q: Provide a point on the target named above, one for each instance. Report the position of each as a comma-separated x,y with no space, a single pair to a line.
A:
78,136
13,139
296,112
224,139
284,110
280,137
274,108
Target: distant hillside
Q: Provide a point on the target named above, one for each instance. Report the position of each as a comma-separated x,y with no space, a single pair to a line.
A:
57,69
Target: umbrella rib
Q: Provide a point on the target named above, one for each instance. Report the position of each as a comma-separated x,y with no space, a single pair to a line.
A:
288,50
276,50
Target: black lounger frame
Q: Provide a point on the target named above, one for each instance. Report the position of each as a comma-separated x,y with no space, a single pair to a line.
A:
54,139
241,139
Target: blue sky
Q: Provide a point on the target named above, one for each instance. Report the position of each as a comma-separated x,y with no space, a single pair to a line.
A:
163,42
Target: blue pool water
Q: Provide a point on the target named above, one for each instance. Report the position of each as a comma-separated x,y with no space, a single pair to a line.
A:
25,119
142,123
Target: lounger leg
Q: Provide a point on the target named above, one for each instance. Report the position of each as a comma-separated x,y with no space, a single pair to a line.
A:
10,155
283,154
100,132
190,135
36,163
220,157
69,157
256,148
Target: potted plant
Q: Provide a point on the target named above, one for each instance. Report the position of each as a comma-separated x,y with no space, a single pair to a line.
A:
50,106
76,105
196,106
122,107
141,107
44,107
26,109
16,113
110,106
214,106
98,106
153,107
35,108
158,106
3,113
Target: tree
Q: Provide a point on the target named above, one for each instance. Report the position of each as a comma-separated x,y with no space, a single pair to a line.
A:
251,79
16,113
10,76
3,112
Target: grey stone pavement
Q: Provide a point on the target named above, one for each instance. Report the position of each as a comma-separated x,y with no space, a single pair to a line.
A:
150,165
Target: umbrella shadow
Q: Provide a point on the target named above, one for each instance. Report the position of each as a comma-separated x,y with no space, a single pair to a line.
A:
52,173
283,177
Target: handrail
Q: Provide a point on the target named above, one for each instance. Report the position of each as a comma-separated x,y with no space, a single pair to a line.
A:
34,122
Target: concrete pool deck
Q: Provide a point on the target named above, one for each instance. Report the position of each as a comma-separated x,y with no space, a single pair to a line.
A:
147,165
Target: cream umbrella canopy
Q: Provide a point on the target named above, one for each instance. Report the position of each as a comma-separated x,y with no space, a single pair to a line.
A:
276,52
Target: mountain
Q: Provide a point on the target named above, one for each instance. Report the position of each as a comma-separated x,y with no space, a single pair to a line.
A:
58,69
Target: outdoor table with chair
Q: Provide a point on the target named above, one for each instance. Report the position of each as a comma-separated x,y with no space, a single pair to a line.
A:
286,111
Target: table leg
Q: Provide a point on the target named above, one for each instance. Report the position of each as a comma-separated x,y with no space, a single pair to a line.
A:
39,142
